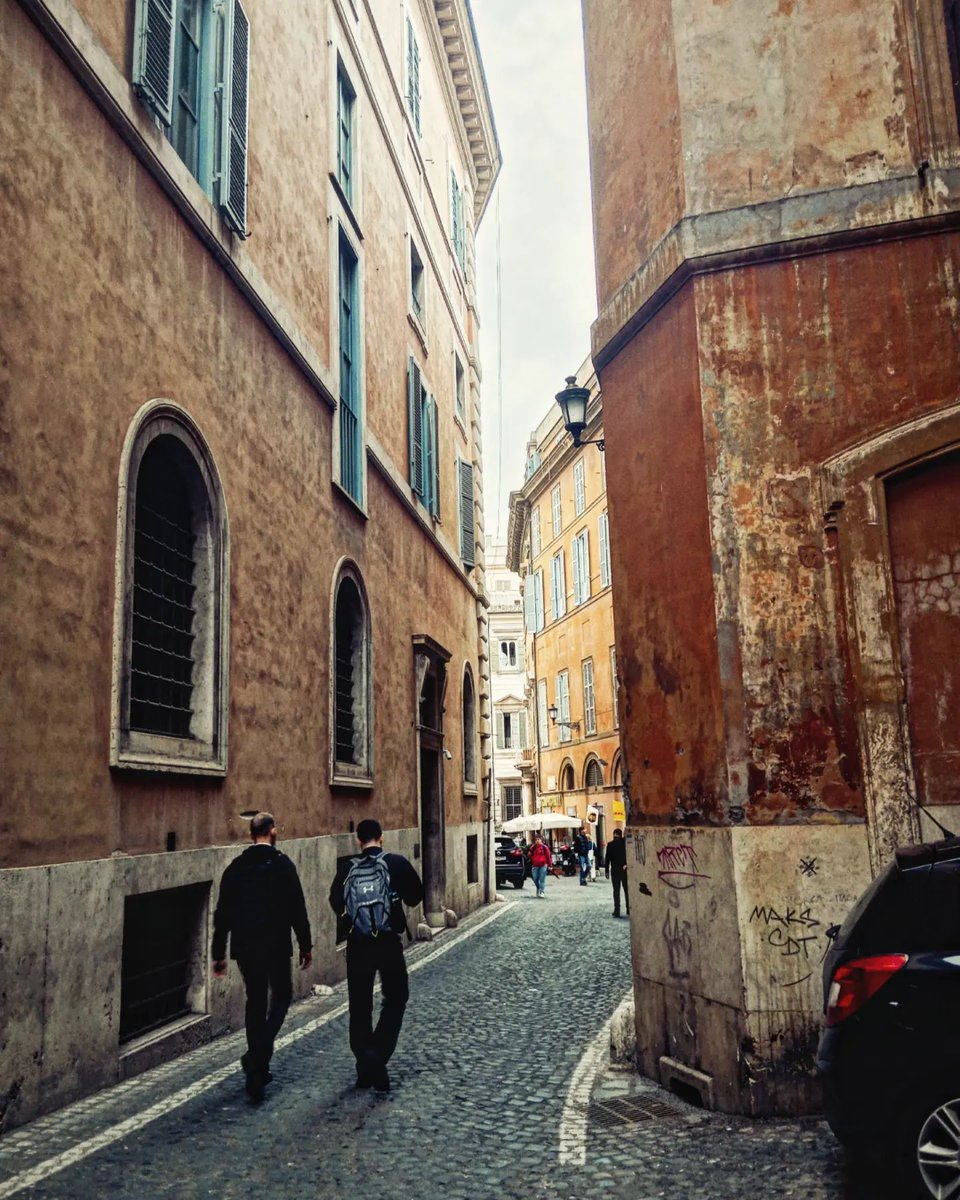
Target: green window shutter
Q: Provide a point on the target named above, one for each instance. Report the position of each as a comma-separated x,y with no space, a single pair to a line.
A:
155,25
233,180
522,736
429,450
415,407
499,730
434,475
467,516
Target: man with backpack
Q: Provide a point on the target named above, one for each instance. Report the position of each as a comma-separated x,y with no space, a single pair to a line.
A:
367,894
260,901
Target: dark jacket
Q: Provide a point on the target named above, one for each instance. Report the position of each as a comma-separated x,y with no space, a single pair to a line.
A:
617,855
582,845
405,888
260,901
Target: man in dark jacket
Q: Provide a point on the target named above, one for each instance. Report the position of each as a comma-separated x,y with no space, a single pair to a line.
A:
617,863
260,901
366,955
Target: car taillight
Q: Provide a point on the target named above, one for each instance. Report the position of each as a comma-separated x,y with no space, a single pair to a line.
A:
515,854
855,982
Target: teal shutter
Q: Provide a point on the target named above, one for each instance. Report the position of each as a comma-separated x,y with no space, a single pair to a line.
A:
429,451
530,605
499,730
434,466
233,180
415,408
522,735
154,29
467,516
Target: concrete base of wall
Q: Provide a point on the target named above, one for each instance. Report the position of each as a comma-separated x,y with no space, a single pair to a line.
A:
61,966
729,928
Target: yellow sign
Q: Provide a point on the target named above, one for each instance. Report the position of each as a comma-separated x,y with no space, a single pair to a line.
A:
619,812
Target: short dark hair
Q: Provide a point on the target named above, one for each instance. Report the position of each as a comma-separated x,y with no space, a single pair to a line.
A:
369,830
618,833
261,825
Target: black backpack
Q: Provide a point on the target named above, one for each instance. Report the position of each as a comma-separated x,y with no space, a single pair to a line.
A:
367,896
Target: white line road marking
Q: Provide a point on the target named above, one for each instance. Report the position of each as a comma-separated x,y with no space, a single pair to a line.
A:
573,1119
132,1124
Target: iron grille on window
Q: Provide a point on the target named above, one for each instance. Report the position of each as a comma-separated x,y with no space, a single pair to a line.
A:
162,658
160,943
349,631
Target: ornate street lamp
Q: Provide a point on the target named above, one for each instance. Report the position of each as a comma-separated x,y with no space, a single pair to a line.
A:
553,711
573,402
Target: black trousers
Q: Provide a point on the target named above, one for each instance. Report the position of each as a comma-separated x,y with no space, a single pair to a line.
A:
619,881
365,957
269,985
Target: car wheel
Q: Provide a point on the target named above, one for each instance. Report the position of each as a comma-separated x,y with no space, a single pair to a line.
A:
518,883
929,1145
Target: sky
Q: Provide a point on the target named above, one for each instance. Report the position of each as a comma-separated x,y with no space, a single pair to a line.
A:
532,54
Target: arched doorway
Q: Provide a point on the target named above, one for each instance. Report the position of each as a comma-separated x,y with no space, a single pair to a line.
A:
431,676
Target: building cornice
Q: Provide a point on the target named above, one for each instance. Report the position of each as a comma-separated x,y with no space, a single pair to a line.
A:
790,227
459,35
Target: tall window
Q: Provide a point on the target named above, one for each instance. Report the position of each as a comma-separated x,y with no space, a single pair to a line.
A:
593,777
555,510
589,698
170,666
457,224
508,656
459,388
469,731
191,60
413,77
416,284
424,440
543,729
468,529
511,730
613,685
535,531
512,802
581,568
579,491
558,587
351,430
346,99
539,615
352,715
604,529
567,781
563,706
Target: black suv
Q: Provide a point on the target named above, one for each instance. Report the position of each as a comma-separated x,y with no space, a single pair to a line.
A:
509,860
889,1055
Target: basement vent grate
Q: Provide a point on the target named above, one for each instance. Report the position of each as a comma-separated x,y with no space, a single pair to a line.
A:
628,1110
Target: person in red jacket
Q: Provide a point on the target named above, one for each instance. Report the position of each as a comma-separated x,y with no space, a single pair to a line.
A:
541,860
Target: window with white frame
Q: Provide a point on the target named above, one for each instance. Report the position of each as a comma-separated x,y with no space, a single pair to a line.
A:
581,568
511,730
512,801
170,664
413,77
589,698
423,439
604,529
535,531
563,706
543,729
558,587
351,679
459,389
350,414
346,101
417,285
579,491
191,69
555,510
469,731
508,656
613,685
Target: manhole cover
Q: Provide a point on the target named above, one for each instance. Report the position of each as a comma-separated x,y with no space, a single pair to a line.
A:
630,1109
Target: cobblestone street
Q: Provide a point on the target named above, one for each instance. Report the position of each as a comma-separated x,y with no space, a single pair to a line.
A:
494,1096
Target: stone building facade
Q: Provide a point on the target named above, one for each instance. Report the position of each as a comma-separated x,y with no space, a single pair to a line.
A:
559,541
240,503
778,344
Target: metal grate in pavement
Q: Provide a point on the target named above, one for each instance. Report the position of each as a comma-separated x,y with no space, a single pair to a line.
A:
628,1110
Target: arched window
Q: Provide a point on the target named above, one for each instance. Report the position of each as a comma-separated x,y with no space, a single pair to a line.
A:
593,776
469,730
170,655
352,707
566,777
618,770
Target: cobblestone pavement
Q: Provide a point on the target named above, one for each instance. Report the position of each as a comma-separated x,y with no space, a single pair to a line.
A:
485,1095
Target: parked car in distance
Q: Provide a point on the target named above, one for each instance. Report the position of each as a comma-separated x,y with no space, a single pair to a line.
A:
889,1055
509,862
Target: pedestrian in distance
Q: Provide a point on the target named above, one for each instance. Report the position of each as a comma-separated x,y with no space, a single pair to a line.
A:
368,894
260,902
617,870
541,860
582,845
